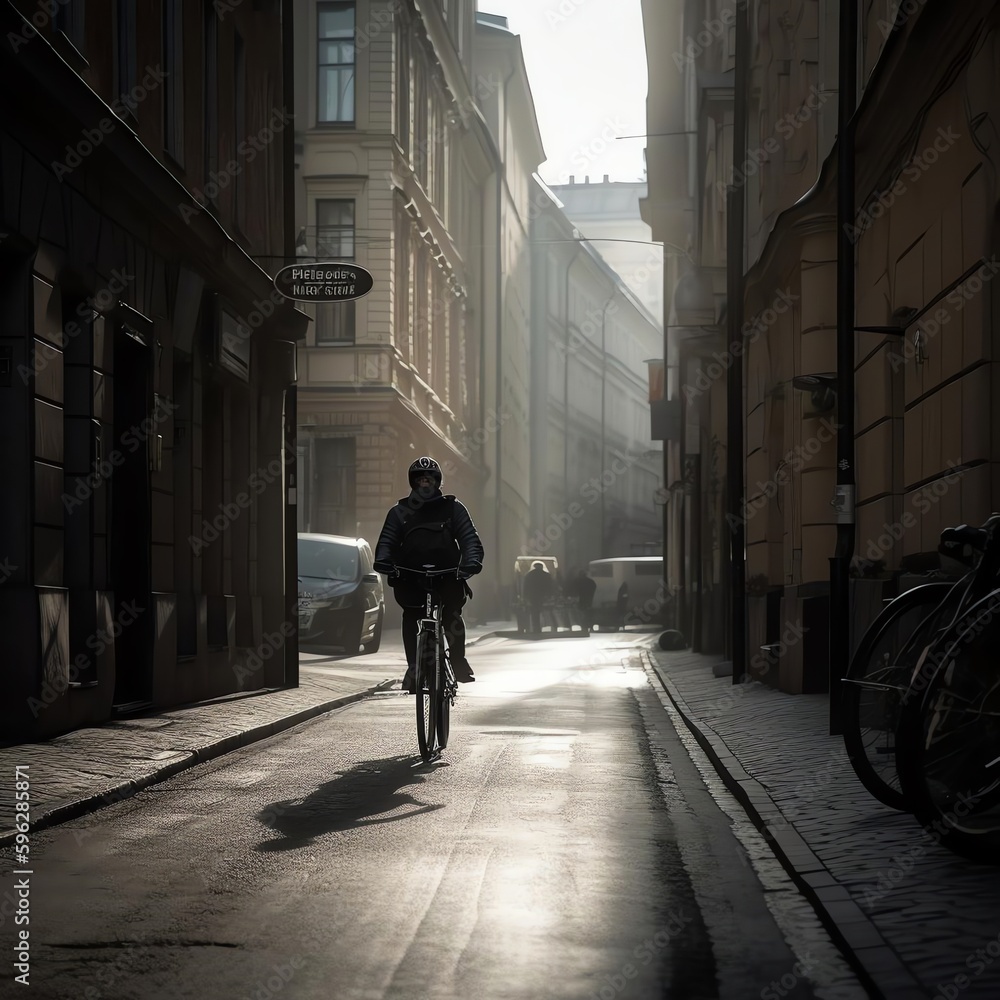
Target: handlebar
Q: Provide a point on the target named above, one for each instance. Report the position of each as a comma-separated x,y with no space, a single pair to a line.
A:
427,572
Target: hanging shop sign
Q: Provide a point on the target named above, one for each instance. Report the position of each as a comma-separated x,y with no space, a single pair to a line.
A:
324,281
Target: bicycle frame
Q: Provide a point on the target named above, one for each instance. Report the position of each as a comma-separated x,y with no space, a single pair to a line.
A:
432,728
965,594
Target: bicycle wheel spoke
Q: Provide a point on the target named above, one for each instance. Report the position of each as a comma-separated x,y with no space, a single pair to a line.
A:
877,681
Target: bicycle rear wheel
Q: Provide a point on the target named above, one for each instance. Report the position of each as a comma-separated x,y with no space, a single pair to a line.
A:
426,696
444,700
948,751
876,681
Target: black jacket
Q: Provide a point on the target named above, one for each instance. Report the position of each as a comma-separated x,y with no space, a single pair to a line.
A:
387,548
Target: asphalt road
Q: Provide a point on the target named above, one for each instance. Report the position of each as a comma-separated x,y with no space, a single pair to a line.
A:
569,845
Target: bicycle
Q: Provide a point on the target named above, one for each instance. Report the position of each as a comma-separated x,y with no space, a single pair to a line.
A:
948,738
434,684
874,686
880,670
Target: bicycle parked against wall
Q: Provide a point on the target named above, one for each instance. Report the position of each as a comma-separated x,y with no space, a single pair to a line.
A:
948,735
434,681
883,663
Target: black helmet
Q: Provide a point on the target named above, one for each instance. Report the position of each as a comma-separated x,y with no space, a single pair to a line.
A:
424,467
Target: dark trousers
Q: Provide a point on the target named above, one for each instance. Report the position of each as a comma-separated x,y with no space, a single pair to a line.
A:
452,596
535,616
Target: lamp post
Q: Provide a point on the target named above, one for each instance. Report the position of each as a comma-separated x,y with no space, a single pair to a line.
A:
734,377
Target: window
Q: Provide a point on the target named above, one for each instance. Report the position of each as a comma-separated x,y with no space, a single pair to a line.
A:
335,241
239,122
334,481
68,18
173,90
125,51
335,229
649,569
336,63
211,108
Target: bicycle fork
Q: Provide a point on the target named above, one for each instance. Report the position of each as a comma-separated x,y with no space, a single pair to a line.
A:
431,628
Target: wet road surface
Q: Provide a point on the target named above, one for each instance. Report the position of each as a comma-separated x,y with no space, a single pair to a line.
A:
569,845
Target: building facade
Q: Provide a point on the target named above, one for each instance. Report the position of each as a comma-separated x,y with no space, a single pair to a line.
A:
691,56
147,364
509,113
925,244
595,469
607,213
395,171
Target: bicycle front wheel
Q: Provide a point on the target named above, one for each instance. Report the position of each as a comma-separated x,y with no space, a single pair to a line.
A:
948,751
426,688
876,682
444,701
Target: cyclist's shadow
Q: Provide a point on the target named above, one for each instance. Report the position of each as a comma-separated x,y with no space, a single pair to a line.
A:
359,797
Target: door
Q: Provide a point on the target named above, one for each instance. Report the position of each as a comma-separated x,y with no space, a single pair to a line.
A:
133,612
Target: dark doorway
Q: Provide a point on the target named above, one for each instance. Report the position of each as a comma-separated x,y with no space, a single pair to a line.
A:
133,613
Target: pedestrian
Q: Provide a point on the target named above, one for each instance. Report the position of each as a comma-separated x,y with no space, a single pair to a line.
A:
538,587
430,528
584,589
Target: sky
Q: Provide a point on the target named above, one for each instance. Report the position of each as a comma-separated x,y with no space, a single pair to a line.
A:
586,64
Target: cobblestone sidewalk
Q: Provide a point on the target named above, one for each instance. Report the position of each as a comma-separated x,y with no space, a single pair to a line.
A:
919,920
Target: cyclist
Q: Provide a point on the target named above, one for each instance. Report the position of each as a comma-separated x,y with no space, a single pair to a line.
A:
430,527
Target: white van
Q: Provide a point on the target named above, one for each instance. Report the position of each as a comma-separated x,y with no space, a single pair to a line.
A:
630,590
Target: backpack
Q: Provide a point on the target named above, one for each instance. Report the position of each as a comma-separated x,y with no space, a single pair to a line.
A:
429,538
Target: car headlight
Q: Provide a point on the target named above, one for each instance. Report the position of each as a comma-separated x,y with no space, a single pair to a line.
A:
325,603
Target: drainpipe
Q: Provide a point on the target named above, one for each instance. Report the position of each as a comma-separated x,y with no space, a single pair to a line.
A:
501,128
844,494
498,485
604,393
734,380
566,354
290,416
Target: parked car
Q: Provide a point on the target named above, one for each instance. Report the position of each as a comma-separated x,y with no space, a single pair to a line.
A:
628,587
341,598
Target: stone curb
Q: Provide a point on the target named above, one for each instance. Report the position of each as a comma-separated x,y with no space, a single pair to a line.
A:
126,789
875,962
